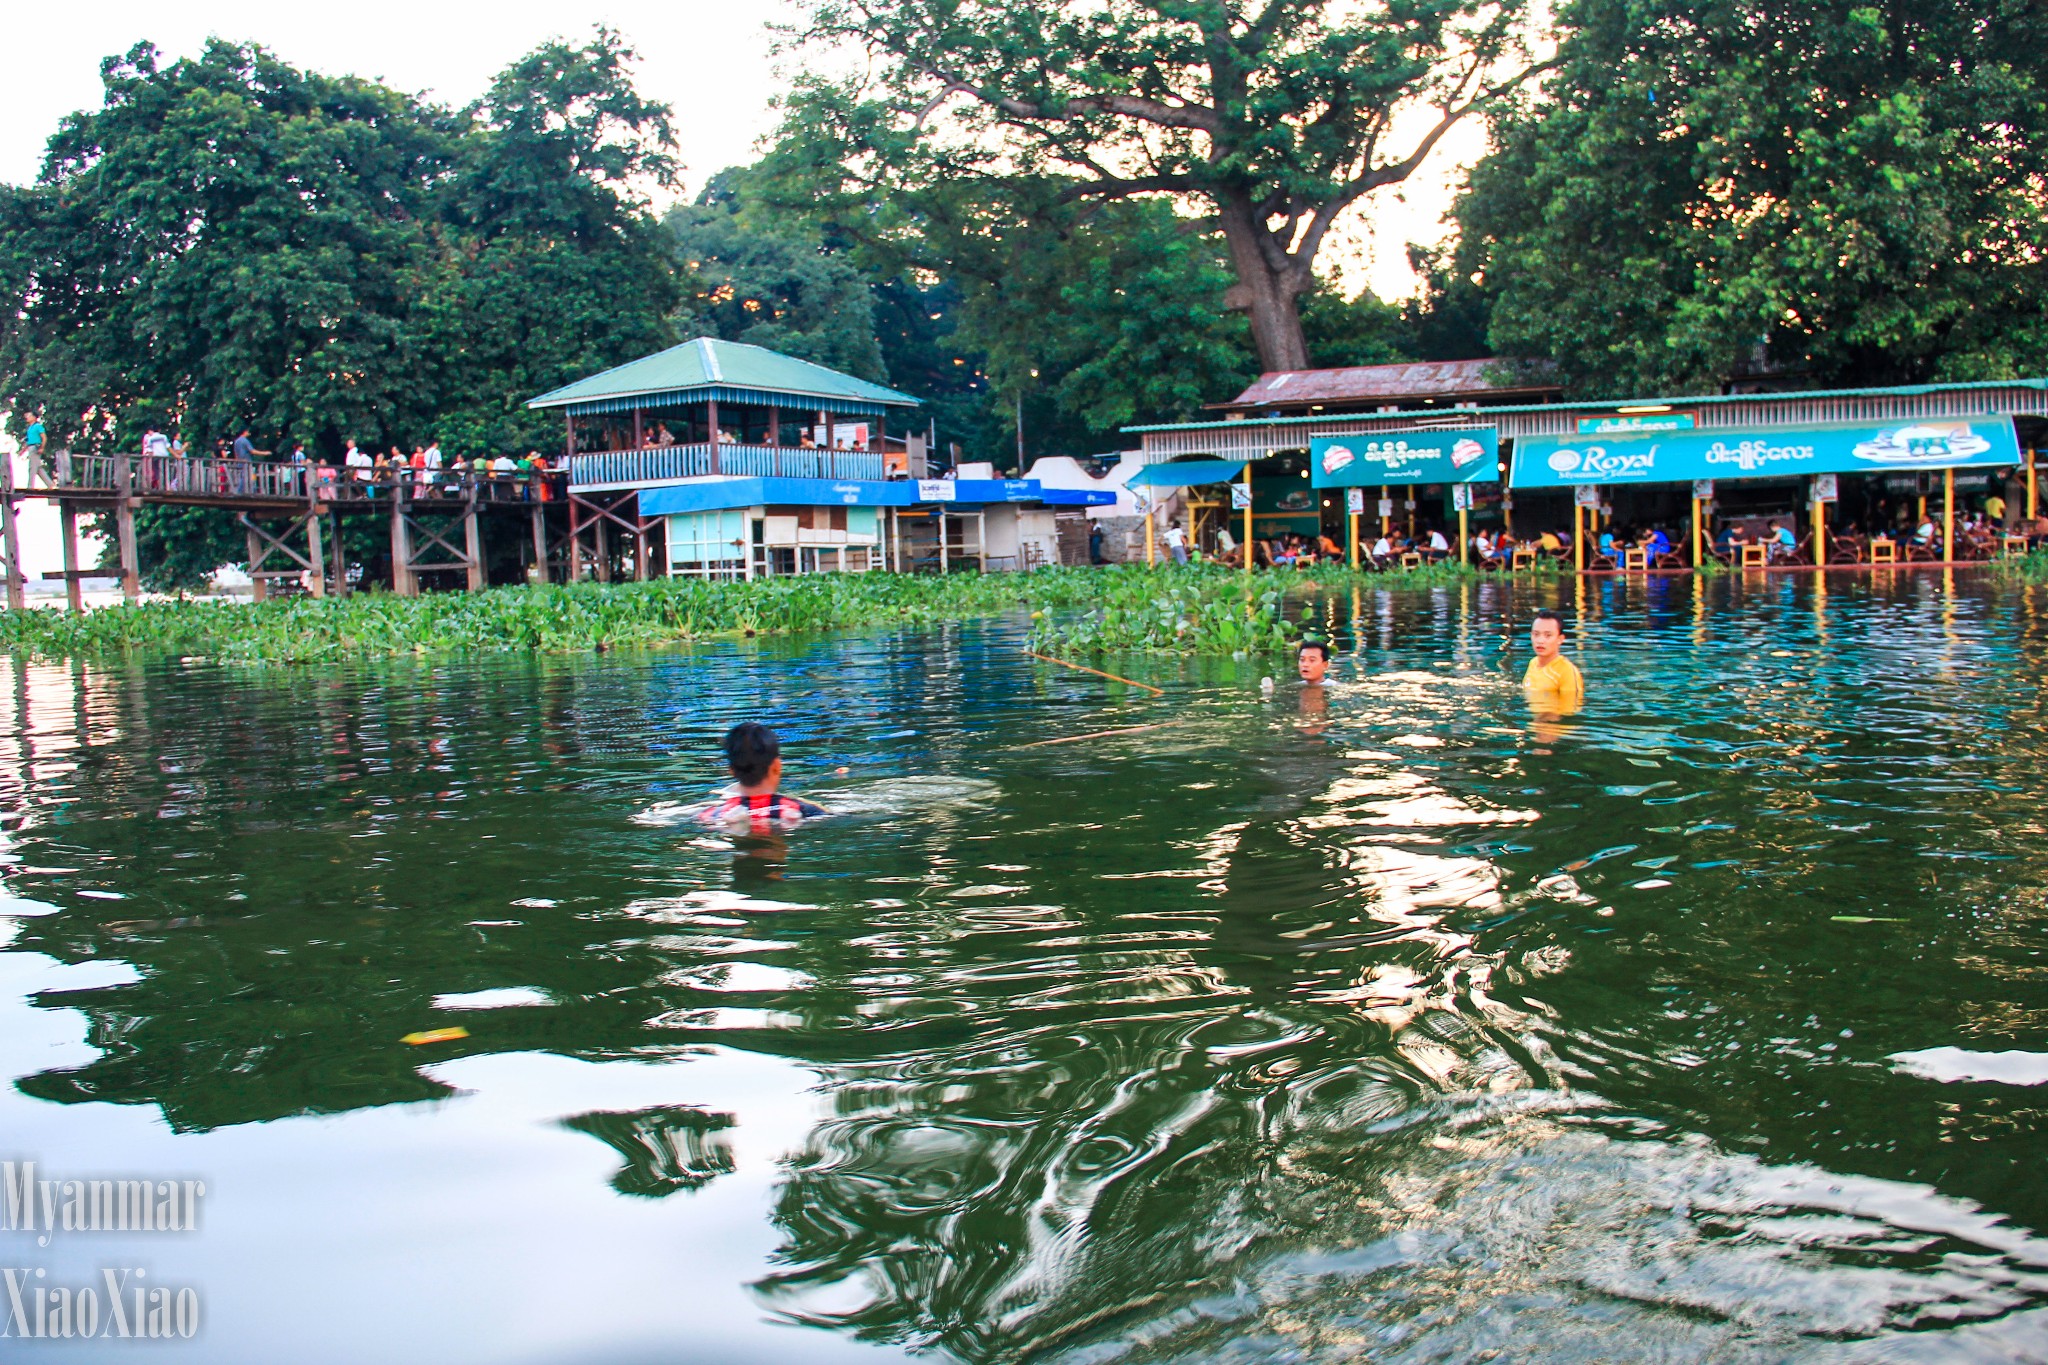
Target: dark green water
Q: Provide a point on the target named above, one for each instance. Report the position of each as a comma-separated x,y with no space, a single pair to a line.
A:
1409,1033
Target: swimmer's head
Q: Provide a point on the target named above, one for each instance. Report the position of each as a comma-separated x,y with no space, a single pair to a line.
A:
1312,660
753,753
1546,633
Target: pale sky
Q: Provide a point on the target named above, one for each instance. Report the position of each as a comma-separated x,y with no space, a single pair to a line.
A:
710,62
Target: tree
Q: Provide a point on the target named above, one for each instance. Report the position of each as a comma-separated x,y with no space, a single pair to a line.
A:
1826,194
766,276
1277,118
228,240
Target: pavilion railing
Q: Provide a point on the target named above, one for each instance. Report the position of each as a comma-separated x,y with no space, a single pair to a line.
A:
657,464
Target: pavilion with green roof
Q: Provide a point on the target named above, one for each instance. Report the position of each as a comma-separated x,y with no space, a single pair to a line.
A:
709,407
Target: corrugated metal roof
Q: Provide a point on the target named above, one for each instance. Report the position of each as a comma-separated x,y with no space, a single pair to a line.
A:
1593,405
709,363
1364,383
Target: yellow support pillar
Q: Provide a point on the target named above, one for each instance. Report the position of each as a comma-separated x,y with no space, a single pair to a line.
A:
1695,533
1353,519
1247,521
1578,534
2032,509
1151,550
1948,515
1464,539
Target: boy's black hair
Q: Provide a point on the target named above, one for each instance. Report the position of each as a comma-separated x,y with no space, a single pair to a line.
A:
750,749
1321,645
1546,614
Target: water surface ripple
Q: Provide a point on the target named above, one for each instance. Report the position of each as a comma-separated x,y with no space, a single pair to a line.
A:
1394,1026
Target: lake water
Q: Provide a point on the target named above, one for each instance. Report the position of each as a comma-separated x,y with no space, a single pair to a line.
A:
1711,1024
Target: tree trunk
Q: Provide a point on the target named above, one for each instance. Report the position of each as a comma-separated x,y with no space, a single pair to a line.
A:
1267,296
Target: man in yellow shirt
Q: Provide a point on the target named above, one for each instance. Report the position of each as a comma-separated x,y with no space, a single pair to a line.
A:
1553,681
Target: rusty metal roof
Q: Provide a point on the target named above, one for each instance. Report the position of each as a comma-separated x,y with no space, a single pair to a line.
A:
1368,383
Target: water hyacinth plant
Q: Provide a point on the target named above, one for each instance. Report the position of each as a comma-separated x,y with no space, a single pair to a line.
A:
1194,609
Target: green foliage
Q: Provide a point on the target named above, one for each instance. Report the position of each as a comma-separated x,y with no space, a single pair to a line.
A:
1722,187
1278,122
767,277
230,240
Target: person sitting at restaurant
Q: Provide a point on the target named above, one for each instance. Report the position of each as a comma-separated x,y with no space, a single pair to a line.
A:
1330,548
1656,545
726,438
1382,550
1437,549
662,435
1923,535
1550,543
1282,552
1781,541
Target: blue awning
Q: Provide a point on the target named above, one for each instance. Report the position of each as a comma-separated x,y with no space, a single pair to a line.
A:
715,495
1182,473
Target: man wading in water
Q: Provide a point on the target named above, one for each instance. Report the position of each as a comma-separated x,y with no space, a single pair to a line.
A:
1553,681
755,757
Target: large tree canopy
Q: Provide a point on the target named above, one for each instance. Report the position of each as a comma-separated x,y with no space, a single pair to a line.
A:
1276,117
230,240
1831,193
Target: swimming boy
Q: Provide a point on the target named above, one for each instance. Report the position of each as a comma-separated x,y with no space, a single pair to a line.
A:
1552,680
755,757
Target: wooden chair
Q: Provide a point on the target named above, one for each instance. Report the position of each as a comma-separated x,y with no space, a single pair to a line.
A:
1884,550
1755,556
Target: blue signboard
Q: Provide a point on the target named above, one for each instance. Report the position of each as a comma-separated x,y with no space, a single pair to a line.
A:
1641,421
1469,455
706,495
1680,456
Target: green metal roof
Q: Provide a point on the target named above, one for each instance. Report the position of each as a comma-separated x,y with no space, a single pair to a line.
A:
1787,395
693,369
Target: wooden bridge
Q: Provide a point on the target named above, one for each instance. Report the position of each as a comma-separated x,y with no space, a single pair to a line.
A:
291,514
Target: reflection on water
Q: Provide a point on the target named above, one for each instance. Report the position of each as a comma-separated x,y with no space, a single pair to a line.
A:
1357,1022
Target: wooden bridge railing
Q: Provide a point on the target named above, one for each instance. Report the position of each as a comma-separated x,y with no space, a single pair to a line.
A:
272,481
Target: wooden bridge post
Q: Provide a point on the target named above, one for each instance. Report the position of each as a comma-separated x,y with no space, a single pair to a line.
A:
67,519
540,540
472,537
17,593
604,549
124,526
403,581
316,577
340,587
639,542
258,589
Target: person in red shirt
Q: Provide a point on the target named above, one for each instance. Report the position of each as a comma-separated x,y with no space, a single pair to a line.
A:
755,756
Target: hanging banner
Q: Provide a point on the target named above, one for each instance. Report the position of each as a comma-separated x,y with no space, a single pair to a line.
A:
1587,495
1380,457
1679,456
1461,497
1354,501
1386,507
1703,489
1240,496
1826,488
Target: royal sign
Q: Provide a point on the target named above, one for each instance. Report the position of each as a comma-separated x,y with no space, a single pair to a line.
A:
1470,455
1677,457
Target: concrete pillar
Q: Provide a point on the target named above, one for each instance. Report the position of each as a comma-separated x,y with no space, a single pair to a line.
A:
601,530
258,589
540,543
403,581
67,517
472,538
316,579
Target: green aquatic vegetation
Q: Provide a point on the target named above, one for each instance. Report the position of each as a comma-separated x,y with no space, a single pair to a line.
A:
2031,567
1192,611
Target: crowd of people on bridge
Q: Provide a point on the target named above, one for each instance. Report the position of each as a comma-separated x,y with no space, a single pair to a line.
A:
238,467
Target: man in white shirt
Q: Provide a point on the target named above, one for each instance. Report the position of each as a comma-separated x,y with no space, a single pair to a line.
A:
155,443
1176,542
1382,550
1439,548
361,463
